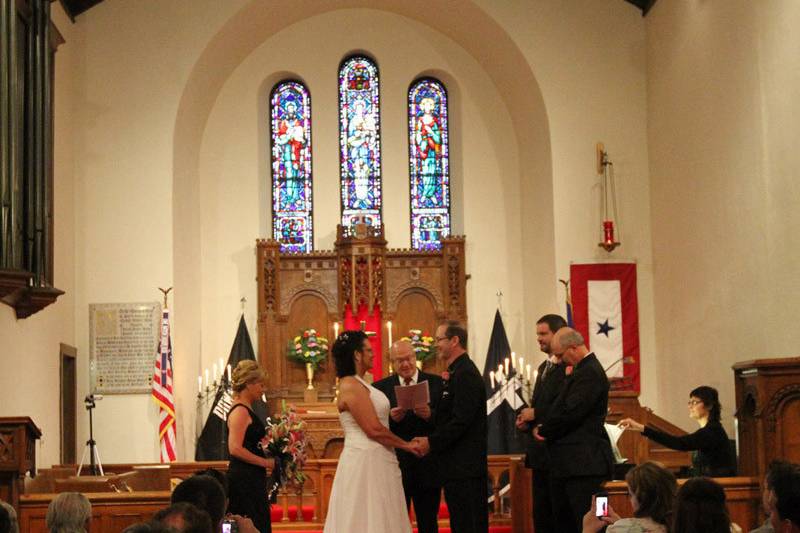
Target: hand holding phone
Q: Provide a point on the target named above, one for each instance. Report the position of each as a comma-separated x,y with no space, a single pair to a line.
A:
229,525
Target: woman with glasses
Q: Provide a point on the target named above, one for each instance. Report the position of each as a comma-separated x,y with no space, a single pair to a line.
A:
713,457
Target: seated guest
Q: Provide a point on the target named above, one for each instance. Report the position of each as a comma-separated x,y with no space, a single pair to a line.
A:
8,524
700,508
783,497
651,489
69,512
185,518
204,492
714,457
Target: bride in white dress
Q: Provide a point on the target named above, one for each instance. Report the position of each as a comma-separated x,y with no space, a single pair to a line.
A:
367,494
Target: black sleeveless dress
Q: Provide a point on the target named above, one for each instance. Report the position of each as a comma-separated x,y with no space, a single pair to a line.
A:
248,482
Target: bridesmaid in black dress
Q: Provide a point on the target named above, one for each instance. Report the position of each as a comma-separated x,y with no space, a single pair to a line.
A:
248,467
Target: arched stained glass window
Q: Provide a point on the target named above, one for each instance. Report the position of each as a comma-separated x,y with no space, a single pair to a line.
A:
290,104
429,163
359,142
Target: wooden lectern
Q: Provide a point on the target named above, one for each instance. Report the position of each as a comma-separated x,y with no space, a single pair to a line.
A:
768,413
17,456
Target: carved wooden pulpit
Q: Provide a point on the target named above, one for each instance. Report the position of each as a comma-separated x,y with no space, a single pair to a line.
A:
17,456
413,289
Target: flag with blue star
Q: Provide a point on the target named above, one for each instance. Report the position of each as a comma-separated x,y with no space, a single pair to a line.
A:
605,320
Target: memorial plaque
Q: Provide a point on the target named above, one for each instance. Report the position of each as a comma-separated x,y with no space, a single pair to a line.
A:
123,341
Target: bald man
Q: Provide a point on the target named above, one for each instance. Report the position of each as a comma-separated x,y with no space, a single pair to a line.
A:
581,459
421,481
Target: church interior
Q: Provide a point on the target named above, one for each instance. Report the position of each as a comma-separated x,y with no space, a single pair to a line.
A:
162,133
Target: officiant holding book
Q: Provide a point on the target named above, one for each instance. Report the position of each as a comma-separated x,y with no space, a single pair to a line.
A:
421,481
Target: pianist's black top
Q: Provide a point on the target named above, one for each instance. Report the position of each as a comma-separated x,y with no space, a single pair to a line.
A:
713,458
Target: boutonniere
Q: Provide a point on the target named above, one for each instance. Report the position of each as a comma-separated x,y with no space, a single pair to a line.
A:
446,376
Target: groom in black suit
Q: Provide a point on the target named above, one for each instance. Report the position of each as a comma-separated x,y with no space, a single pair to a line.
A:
460,438
421,483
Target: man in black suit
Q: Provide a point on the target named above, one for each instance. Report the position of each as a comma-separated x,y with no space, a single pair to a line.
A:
549,378
459,439
421,484
580,451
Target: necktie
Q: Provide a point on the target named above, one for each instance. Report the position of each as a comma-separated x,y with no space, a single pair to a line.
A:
547,367
407,381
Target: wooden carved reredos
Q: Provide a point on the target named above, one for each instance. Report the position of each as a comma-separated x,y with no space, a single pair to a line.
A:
413,289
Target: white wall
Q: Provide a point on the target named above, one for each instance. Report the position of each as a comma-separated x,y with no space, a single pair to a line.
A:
723,83
130,81
29,348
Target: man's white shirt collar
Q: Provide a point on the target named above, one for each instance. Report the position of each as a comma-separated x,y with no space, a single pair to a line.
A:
414,378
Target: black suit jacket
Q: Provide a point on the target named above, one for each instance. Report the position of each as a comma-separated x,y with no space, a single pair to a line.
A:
421,470
460,438
576,439
545,392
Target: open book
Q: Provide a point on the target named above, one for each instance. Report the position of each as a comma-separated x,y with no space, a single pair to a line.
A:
614,433
412,396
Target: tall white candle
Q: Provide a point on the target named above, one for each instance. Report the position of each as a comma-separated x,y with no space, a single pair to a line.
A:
199,384
229,373
499,374
535,374
528,371
491,377
214,372
335,330
389,330
505,365
513,360
206,371
521,365
221,368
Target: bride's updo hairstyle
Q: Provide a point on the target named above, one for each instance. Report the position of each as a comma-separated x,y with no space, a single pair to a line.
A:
246,372
344,350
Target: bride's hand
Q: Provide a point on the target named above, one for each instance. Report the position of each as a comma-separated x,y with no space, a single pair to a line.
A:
413,446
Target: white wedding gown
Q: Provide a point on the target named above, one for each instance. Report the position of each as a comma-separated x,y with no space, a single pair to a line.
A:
367,494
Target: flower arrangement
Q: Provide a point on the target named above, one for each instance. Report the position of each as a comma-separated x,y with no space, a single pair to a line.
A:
424,347
286,442
308,347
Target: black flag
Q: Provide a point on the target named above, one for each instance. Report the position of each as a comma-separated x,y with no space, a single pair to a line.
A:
213,442
504,394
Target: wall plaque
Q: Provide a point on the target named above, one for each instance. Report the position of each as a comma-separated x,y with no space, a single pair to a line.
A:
123,340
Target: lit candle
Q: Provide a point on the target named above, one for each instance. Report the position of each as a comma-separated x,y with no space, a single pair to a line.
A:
389,329
335,330
199,384
491,377
521,365
528,371
513,360
214,372
221,368
500,373
229,373
206,377
505,365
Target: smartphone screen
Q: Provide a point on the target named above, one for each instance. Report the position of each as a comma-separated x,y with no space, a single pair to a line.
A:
226,528
601,503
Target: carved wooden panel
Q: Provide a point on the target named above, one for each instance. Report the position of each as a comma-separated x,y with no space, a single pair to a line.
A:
308,310
416,309
788,437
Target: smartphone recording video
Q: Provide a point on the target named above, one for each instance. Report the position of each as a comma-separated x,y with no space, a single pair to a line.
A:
601,505
230,526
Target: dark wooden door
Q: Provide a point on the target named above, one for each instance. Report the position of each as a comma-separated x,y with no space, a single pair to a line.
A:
69,404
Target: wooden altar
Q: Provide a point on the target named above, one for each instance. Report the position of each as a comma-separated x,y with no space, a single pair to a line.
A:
410,288
18,437
768,412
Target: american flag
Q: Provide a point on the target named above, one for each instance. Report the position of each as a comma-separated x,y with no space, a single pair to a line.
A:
162,392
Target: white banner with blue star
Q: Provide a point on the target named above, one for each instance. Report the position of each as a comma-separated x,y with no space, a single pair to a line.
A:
605,324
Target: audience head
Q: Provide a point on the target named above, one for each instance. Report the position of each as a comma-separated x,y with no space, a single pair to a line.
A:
700,508
149,527
69,512
782,496
248,379
349,347
185,518
221,478
204,492
568,345
546,327
652,491
704,402
11,513
404,359
451,339
5,521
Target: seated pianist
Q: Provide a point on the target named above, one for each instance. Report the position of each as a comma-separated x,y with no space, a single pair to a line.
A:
713,457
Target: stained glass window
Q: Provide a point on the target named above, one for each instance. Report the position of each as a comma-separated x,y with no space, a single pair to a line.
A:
429,163
290,103
359,142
